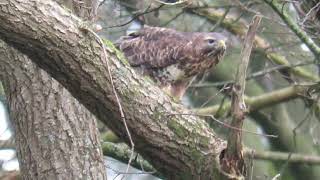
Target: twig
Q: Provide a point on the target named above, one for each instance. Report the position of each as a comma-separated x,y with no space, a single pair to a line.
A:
221,19
8,144
311,10
172,19
118,173
114,91
276,177
251,164
146,11
171,4
225,87
255,74
283,156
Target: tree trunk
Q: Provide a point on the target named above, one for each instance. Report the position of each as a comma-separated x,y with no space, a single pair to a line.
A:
178,145
56,137
55,122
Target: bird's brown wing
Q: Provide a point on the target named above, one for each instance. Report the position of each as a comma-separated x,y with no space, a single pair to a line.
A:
153,47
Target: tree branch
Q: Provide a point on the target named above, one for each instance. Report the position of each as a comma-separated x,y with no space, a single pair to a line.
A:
233,160
282,156
122,153
255,74
7,144
262,101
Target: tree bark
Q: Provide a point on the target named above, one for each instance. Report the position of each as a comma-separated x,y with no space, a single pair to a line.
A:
85,9
177,145
56,137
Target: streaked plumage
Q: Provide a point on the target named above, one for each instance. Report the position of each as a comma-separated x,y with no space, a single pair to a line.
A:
170,57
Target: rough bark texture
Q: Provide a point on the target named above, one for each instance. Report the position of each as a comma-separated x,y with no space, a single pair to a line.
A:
85,9
56,137
176,144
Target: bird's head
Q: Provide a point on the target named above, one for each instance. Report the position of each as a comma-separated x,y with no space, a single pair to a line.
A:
210,44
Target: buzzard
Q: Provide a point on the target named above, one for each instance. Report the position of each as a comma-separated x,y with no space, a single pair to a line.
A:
170,57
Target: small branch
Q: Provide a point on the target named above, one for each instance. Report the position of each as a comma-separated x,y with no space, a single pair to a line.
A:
295,28
122,153
109,136
221,19
8,144
298,71
173,3
261,101
282,156
255,74
307,16
137,15
172,19
233,161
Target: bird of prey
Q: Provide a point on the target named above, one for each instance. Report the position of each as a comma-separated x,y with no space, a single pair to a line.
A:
172,58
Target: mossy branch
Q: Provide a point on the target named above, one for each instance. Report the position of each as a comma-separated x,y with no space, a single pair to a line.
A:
122,153
259,102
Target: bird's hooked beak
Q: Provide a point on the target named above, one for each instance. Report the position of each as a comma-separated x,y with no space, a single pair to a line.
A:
222,44
220,48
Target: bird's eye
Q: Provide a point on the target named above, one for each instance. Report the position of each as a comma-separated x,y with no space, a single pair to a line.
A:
211,41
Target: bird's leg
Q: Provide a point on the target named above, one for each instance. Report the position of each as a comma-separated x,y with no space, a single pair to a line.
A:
178,89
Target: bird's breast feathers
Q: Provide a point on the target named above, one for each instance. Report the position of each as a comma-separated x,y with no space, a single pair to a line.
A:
175,73
169,74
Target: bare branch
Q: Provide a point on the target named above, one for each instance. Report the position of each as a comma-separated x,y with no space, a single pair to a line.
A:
233,161
257,102
282,156
256,74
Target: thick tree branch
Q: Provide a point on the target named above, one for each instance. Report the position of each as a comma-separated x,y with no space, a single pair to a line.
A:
51,37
